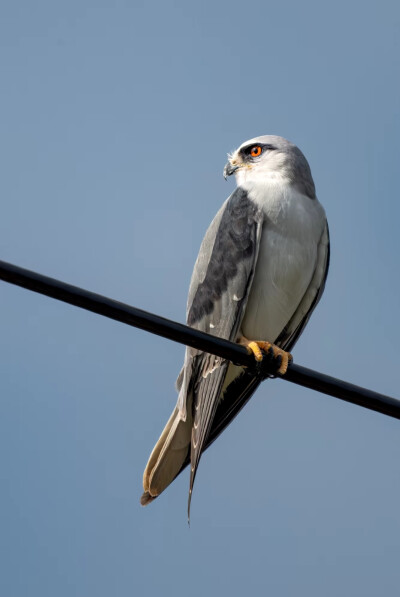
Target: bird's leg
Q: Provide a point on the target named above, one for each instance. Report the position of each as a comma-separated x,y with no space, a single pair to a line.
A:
257,347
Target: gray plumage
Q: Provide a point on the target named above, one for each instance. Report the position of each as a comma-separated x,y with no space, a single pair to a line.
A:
260,272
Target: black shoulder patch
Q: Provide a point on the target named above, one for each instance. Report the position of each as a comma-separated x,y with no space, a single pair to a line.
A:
235,241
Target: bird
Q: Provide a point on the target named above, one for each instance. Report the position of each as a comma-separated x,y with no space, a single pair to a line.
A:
259,274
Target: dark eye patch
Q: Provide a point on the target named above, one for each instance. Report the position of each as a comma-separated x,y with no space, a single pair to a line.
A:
246,151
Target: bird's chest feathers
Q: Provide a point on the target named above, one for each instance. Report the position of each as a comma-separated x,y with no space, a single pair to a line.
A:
286,260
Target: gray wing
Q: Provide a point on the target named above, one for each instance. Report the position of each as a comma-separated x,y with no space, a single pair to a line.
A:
218,295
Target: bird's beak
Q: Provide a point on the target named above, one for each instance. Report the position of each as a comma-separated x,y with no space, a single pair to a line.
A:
229,169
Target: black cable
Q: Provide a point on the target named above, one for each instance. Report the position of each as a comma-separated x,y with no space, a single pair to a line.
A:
191,337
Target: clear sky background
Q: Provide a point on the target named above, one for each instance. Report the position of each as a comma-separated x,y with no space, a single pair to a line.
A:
116,118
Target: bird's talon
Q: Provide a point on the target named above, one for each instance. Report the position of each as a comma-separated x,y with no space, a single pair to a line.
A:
254,348
267,351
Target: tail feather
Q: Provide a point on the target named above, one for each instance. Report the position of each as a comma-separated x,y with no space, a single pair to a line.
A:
146,498
167,457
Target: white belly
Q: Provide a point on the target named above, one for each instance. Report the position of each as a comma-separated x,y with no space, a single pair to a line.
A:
286,262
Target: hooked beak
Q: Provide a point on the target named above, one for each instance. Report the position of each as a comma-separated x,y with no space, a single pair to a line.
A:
229,170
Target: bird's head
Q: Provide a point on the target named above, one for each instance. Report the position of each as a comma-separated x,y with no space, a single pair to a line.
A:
270,159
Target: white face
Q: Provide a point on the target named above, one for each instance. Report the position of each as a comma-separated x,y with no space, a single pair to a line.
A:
260,160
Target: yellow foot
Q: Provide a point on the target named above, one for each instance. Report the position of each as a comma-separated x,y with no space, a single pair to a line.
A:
256,347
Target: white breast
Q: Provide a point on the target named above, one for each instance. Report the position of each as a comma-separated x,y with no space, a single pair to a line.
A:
286,261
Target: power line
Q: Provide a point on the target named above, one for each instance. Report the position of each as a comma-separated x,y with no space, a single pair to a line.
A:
185,335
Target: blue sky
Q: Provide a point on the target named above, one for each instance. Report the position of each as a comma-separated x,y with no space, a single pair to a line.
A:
115,123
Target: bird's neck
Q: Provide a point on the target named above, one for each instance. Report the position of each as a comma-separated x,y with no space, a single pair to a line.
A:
274,194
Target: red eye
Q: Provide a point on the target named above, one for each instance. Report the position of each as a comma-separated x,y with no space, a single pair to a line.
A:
255,151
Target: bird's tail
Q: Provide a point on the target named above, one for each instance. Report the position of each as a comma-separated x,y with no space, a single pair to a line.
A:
167,457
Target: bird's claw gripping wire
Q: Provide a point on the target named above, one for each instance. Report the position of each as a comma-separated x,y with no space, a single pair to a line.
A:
270,359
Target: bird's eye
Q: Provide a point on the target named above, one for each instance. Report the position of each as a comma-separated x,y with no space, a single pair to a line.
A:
255,151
